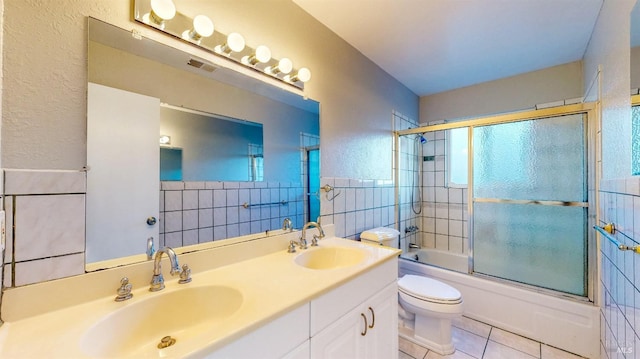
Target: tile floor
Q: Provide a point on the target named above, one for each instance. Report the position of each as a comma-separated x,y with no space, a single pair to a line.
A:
477,340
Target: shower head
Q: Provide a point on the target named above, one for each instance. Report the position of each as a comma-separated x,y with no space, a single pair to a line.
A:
422,139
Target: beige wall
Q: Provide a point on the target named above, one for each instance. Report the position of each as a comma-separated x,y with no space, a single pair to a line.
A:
44,101
510,94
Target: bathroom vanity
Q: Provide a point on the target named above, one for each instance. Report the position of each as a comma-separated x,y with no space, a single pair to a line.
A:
335,300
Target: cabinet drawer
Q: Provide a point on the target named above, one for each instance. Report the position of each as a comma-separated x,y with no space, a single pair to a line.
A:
331,306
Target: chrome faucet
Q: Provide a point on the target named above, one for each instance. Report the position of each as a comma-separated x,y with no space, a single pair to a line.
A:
287,225
157,282
314,242
303,240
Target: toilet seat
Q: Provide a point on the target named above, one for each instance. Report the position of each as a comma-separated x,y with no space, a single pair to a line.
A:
429,290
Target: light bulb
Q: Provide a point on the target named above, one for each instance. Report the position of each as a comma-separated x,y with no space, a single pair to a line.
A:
303,75
202,27
284,66
262,54
161,10
235,43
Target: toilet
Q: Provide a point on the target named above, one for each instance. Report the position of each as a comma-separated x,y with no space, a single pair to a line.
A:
426,309
381,236
426,306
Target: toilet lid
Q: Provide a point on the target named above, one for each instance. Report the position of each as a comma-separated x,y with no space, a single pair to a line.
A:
429,289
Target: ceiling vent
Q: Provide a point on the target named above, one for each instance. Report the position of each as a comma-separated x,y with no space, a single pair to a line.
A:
201,65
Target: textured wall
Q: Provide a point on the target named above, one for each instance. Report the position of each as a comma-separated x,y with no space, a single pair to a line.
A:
609,48
504,95
45,79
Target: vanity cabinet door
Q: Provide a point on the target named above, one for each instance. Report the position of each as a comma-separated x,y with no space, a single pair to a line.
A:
382,339
342,339
369,331
301,352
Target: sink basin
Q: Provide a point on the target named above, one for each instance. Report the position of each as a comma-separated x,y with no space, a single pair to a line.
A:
331,257
136,329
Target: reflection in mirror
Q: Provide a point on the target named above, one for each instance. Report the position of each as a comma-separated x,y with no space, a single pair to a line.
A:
205,147
274,161
635,85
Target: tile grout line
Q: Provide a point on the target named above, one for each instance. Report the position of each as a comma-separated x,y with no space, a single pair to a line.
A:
486,344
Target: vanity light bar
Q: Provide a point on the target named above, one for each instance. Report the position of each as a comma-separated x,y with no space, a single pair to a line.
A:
199,31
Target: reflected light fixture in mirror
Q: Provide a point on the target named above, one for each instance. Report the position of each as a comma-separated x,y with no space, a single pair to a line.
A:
165,140
202,27
161,11
199,31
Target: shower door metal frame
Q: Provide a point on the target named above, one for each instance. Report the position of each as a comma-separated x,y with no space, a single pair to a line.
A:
592,147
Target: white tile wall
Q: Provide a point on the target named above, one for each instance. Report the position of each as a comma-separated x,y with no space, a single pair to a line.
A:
48,225
620,271
48,268
25,182
45,225
360,205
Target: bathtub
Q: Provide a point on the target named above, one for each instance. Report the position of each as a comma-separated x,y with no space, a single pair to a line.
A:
442,259
567,324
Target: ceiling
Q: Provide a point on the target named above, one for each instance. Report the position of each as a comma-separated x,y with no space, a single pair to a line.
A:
433,46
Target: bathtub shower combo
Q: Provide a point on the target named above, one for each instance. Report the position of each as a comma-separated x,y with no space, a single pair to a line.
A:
499,208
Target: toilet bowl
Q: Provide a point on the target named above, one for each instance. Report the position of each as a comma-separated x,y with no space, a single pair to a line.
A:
427,306
426,309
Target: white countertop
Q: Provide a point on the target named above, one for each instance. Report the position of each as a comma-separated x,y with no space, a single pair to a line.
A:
271,285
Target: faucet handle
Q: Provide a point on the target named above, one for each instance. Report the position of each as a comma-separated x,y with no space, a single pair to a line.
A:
124,292
292,247
185,274
314,240
151,250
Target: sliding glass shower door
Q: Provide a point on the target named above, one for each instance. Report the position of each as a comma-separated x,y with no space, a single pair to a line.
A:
530,202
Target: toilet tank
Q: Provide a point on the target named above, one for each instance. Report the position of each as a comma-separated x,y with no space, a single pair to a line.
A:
381,235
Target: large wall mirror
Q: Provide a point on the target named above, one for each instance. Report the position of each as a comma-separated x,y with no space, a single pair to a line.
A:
634,72
198,152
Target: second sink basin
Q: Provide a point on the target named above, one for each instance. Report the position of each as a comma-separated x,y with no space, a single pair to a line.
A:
330,257
137,328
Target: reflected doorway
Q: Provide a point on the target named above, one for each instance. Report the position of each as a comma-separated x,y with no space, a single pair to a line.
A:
313,183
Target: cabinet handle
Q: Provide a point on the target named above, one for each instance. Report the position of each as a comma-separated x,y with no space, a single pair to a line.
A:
365,324
373,318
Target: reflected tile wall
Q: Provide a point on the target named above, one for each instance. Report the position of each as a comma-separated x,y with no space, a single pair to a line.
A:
620,270
199,212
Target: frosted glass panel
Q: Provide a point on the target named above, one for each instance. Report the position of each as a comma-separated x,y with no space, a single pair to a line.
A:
538,245
531,160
